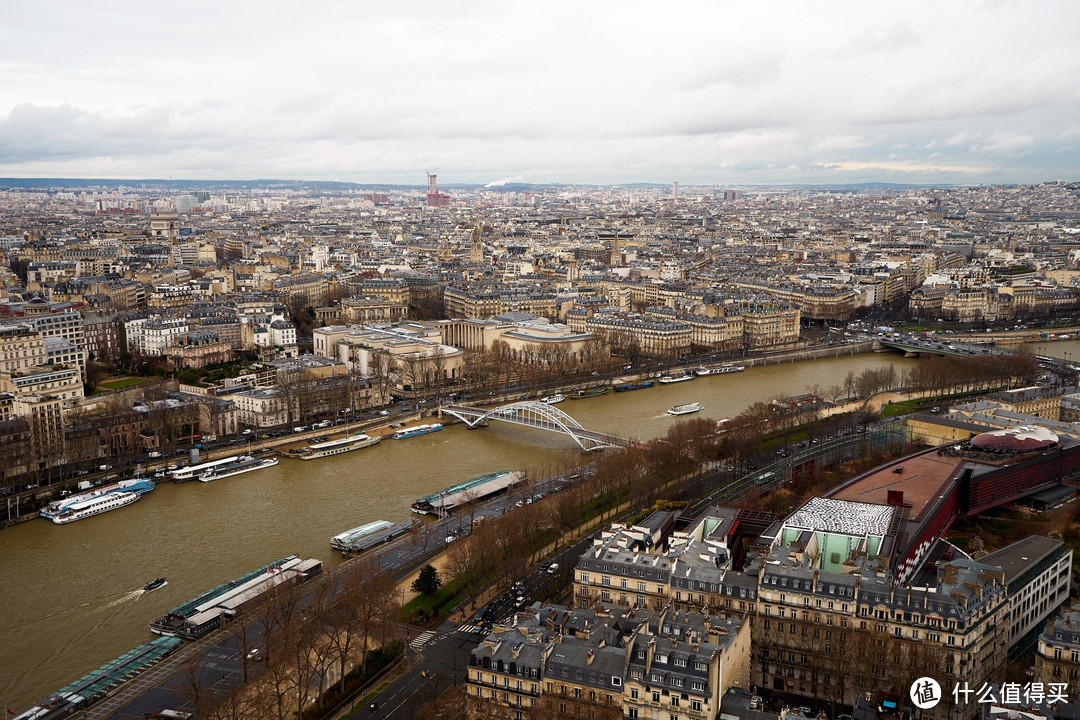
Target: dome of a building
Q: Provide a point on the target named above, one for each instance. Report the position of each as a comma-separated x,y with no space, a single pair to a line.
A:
1015,439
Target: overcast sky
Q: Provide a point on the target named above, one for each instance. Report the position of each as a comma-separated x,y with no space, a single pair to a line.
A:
710,92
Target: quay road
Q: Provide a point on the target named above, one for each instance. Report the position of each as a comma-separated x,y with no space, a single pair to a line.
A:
441,657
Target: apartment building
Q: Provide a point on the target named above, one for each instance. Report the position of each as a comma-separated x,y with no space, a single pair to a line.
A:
1032,400
1057,655
667,338
21,348
608,662
152,334
63,382
101,333
770,325
197,350
262,407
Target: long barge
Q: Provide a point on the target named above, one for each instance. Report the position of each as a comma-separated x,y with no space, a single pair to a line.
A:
417,430
194,472
668,379
243,464
376,538
97,684
464,492
336,447
580,393
342,540
627,387
202,614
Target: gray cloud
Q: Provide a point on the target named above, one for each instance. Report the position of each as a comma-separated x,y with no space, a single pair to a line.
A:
561,91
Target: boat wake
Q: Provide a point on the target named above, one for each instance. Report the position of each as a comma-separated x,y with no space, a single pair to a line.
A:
133,595
88,629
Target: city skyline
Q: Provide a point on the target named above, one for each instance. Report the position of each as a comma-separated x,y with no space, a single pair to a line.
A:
974,92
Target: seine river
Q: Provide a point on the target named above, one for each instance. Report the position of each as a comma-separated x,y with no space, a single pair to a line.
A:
71,594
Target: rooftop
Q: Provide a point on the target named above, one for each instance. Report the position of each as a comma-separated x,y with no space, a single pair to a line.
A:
921,478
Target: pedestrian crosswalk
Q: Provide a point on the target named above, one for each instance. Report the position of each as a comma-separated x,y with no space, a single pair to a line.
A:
422,639
470,628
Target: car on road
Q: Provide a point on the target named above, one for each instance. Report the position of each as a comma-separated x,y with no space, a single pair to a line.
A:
384,412
553,567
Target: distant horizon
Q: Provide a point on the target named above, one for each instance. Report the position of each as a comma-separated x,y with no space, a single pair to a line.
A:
36,181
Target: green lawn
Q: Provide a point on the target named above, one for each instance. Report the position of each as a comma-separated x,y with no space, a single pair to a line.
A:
121,383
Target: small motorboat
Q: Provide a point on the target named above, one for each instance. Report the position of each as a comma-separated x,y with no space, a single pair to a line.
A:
154,585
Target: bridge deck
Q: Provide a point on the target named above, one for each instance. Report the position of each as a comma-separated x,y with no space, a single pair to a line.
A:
536,415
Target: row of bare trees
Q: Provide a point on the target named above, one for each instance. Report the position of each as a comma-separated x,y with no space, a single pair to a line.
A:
948,372
505,546
312,636
502,366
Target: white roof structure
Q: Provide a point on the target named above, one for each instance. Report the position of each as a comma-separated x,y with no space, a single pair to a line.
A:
842,516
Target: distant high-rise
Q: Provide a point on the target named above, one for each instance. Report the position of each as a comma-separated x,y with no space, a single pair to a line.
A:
675,189
434,197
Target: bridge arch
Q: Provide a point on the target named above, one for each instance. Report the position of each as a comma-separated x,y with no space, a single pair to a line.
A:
539,415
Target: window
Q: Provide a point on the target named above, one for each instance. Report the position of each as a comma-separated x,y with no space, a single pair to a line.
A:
633,693
695,705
